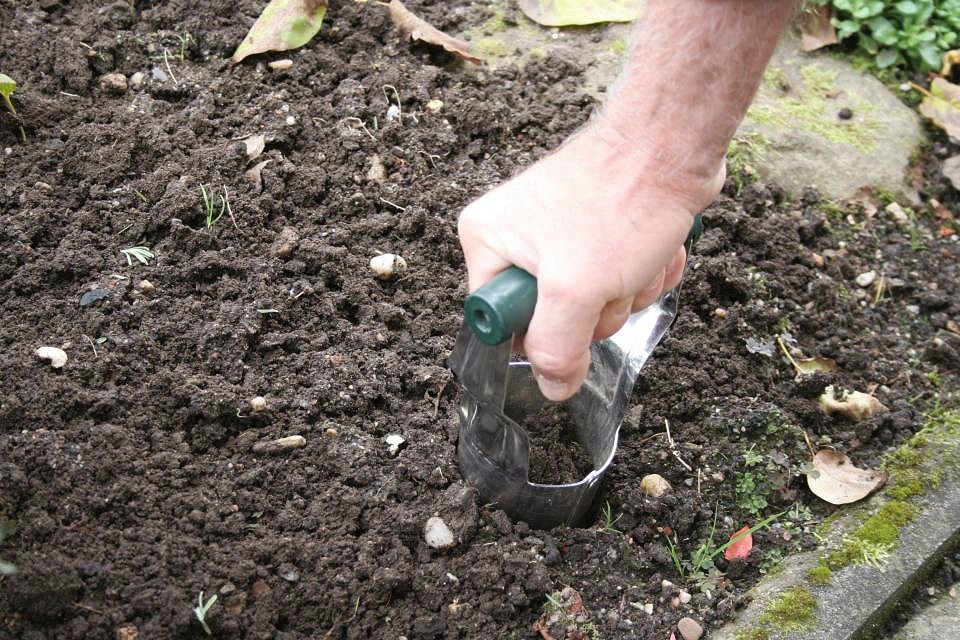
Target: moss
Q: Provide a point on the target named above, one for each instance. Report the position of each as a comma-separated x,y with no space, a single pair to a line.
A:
496,23
618,46
820,574
792,611
753,633
807,108
490,47
876,538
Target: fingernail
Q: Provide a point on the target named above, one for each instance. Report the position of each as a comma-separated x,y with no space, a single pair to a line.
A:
553,389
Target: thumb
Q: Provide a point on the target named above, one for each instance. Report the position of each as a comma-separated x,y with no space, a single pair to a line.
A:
558,339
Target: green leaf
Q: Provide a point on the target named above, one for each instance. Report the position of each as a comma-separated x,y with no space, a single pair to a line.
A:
883,31
283,25
942,105
7,85
930,54
907,7
565,13
887,58
846,28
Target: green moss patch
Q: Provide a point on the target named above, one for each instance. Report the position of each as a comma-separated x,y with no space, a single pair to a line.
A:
792,611
810,109
820,575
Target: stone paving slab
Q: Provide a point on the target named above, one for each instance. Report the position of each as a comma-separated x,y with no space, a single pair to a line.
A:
860,598
938,621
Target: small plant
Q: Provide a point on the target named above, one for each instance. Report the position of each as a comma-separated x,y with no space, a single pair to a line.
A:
609,521
906,34
142,254
184,41
7,86
753,483
213,214
202,608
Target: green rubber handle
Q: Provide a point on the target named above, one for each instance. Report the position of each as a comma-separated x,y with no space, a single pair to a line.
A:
503,307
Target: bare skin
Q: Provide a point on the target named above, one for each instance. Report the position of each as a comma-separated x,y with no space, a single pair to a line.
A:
601,221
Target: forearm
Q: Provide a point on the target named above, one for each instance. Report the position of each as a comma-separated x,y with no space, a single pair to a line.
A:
691,75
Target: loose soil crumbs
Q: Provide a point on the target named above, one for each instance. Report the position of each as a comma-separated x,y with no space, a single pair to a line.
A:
130,471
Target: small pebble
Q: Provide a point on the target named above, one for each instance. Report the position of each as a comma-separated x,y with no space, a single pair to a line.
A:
290,120
330,432
115,83
96,295
258,404
898,215
146,287
436,106
437,534
259,588
281,65
845,114
387,265
159,74
654,485
394,441
127,632
720,312
136,80
685,597
43,186
690,629
280,445
866,279
57,357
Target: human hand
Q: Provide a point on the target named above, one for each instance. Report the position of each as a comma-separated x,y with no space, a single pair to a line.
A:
602,238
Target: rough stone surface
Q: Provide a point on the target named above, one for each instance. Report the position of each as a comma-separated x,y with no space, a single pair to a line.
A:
859,598
802,140
938,621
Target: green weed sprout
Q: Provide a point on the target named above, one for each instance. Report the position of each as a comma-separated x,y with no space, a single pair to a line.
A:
213,214
609,521
7,86
141,253
202,608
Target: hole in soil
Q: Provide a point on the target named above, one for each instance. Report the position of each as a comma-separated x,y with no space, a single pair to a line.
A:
556,457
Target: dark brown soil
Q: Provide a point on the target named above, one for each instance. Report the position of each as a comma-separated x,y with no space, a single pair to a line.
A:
556,456
131,473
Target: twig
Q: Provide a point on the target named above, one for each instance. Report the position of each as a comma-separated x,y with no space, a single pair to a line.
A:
169,70
396,95
673,447
92,346
226,199
395,206
360,125
813,453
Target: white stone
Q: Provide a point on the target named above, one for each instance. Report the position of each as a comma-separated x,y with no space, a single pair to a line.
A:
387,265
866,279
394,440
437,534
57,357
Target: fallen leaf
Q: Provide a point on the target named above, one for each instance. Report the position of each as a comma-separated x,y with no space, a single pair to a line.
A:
283,25
740,544
946,231
950,58
253,174
837,481
941,104
806,366
856,405
816,30
255,145
566,13
413,27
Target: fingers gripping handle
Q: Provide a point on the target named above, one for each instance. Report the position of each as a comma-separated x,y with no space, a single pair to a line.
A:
504,306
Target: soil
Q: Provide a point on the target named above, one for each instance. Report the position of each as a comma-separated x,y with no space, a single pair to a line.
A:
556,456
130,472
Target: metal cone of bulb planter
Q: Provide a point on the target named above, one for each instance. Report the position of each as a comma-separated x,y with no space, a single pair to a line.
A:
498,395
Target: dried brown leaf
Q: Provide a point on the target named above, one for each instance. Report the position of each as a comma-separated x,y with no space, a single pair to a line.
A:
413,27
254,174
816,31
835,479
255,145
